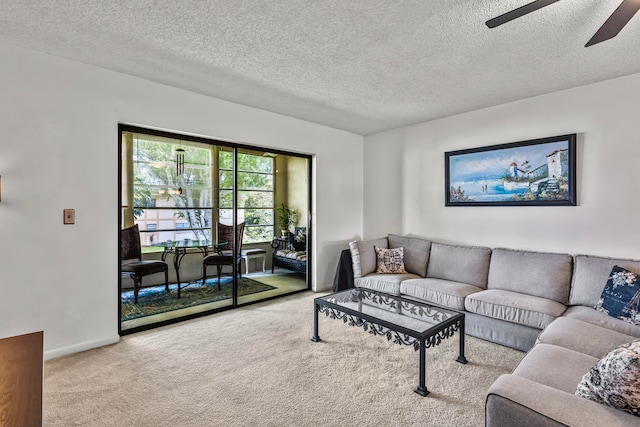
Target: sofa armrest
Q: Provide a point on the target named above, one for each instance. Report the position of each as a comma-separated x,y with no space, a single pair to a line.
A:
513,400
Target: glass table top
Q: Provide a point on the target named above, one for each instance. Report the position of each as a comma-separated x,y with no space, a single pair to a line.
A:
413,315
188,243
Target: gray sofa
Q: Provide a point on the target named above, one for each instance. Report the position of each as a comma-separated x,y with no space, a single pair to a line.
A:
541,303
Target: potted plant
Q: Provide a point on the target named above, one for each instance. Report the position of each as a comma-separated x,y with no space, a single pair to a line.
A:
287,219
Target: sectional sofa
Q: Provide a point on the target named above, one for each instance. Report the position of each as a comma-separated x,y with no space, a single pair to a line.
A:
538,302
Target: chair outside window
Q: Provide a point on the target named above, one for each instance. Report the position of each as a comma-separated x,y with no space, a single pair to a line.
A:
132,264
224,253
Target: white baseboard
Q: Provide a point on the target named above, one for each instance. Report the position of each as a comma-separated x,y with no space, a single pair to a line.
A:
63,351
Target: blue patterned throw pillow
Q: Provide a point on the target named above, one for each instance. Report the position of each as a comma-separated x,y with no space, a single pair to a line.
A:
621,296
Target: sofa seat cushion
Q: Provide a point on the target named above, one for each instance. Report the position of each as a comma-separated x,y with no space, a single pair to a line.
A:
555,366
540,274
440,292
297,255
513,307
595,317
387,283
582,337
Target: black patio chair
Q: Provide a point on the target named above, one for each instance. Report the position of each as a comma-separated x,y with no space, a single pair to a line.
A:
224,254
132,264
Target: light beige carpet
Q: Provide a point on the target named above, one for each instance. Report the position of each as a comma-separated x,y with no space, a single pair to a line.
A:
256,366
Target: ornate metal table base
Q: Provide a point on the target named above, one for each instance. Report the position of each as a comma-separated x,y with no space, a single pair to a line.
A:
179,253
420,340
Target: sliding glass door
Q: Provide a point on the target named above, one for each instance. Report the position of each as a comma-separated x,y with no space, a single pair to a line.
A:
229,221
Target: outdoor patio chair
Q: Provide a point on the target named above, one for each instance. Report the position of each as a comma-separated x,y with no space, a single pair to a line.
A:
132,264
224,253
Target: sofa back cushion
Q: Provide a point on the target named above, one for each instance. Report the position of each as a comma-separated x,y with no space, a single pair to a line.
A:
464,264
416,253
540,274
363,255
591,274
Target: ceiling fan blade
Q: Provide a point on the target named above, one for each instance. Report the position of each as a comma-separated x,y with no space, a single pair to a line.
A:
616,22
517,13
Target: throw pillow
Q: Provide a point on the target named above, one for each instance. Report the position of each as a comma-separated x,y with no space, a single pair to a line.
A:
614,381
390,261
301,236
621,296
298,240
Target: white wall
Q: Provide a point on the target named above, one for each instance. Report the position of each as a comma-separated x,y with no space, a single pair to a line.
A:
404,174
58,139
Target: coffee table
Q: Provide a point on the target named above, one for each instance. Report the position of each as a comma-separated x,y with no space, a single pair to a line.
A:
405,321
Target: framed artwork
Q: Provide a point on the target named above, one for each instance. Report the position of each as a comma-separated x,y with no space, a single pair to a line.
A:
539,172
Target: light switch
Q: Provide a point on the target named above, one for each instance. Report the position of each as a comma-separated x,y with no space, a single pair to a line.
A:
69,216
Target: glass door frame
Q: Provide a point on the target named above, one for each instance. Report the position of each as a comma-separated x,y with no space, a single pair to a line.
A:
235,147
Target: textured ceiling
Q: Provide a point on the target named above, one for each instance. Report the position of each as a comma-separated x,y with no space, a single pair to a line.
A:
358,65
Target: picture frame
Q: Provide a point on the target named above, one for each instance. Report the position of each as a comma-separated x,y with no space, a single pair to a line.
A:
537,172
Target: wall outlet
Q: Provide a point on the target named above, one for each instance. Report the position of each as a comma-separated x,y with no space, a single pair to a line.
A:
69,216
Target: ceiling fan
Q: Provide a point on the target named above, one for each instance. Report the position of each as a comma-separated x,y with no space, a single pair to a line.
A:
609,29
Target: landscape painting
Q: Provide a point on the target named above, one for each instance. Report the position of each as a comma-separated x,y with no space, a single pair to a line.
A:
536,173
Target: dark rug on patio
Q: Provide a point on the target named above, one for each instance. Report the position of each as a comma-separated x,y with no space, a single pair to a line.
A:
155,300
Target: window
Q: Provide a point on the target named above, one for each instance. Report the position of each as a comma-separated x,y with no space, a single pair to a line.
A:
170,204
172,201
255,193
